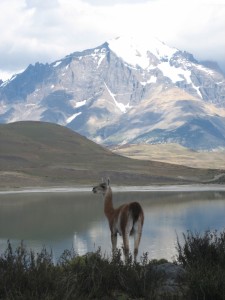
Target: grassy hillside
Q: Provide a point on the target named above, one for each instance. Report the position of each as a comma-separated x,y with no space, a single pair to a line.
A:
44,154
175,154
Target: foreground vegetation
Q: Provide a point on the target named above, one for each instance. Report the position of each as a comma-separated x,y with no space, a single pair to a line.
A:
28,275
203,256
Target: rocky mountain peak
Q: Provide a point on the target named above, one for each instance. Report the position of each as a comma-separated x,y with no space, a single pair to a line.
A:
137,52
124,91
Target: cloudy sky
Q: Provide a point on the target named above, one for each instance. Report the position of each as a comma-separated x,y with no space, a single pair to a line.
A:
47,30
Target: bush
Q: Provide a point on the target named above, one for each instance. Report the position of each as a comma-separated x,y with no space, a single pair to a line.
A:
93,276
26,275
203,256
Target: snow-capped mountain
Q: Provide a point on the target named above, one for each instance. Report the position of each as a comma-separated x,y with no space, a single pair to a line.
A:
124,91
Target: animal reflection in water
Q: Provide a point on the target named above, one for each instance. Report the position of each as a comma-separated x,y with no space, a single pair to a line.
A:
126,220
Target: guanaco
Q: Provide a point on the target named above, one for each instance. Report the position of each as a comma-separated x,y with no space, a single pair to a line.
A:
127,219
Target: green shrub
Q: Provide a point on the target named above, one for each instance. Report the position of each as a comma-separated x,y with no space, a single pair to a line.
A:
203,256
26,275
94,276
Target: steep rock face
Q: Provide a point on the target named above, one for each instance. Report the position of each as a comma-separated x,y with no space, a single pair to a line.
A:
170,116
124,91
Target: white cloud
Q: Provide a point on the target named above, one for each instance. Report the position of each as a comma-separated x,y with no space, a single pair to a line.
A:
48,30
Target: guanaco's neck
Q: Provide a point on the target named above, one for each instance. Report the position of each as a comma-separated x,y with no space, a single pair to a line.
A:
108,203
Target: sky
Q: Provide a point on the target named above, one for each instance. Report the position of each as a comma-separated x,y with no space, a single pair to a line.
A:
46,30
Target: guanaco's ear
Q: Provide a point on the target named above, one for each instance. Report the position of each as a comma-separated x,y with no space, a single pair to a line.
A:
108,181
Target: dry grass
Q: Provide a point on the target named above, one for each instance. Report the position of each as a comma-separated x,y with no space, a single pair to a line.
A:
44,154
175,154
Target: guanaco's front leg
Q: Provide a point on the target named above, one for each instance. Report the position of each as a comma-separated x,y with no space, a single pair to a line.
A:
137,238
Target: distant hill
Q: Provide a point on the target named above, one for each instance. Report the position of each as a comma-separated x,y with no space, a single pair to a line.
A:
175,154
44,154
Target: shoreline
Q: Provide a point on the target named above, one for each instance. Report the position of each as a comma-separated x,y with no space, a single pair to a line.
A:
150,188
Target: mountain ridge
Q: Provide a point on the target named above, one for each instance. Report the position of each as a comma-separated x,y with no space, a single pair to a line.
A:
101,91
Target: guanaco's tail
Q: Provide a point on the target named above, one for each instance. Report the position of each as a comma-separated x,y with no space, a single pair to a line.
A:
136,211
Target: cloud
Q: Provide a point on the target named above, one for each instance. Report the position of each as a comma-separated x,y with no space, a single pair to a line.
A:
113,2
40,30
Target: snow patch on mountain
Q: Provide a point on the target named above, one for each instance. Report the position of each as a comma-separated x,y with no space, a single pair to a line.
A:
77,104
57,63
71,118
136,52
5,83
81,103
123,108
152,79
197,88
206,70
101,59
175,74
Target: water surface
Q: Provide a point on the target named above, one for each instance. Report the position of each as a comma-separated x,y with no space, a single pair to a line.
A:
66,220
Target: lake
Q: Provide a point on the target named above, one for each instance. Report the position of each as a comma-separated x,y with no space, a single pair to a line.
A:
67,219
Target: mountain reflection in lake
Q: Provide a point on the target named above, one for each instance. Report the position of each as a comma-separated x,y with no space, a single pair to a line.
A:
62,221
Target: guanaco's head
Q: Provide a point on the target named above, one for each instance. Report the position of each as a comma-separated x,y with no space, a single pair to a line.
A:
101,188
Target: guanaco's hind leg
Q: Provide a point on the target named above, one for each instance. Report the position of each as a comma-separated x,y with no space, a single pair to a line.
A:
126,233
126,245
137,237
114,242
